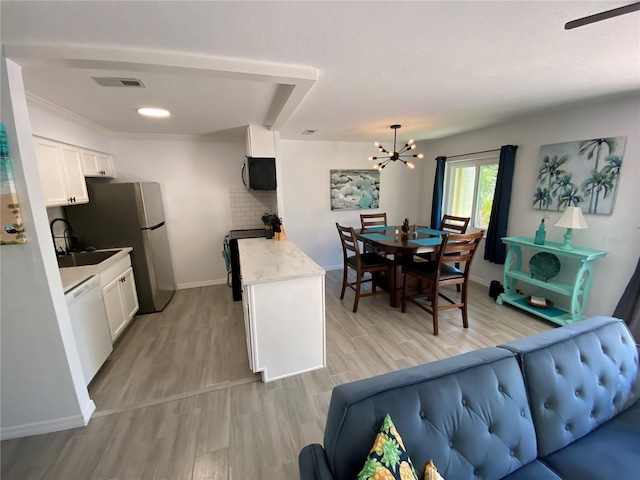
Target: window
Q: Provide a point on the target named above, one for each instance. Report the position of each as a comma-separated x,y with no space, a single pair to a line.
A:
469,189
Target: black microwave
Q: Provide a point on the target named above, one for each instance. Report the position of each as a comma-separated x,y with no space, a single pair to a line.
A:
260,173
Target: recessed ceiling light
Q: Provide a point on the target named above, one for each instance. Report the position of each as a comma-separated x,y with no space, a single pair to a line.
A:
153,112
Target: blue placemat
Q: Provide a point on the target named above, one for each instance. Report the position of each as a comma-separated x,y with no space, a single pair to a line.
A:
379,229
427,242
431,232
549,312
375,236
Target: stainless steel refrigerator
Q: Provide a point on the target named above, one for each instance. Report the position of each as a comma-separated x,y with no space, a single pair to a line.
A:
130,215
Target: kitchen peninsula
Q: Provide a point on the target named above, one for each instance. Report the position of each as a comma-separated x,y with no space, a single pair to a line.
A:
283,305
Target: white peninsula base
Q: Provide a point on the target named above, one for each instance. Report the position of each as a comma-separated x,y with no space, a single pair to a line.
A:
284,311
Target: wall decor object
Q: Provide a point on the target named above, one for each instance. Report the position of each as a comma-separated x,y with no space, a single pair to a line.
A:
355,189
544,266
583,174
12,230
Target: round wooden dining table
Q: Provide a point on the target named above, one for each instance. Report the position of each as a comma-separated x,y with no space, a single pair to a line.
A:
403,249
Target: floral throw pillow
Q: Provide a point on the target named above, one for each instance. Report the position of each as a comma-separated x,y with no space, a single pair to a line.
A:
431,472
388,458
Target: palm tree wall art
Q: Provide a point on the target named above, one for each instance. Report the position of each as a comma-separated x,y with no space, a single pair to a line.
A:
583,174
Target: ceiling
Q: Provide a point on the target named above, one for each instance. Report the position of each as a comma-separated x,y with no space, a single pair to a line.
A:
346,69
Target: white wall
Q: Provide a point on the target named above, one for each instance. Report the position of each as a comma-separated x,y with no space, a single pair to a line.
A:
42,383
617,233
308,218
195,178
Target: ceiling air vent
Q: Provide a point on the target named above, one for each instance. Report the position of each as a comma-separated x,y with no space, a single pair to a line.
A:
118,82
309,132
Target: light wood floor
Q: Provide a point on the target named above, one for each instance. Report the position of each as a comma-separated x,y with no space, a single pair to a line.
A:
189,409
196,343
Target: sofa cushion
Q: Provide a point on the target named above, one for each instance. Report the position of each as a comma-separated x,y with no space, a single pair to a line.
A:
313,464
535,470
611,451
468,413
577,378
388,458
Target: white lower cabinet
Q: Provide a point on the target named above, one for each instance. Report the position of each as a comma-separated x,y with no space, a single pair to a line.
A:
246,301
283,306
119,295
285,326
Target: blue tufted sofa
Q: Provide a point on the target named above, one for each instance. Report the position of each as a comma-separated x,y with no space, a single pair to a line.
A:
562,404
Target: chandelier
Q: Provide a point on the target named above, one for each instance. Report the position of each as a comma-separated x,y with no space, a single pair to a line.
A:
394,155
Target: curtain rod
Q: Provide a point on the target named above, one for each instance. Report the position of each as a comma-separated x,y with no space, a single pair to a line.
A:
473,153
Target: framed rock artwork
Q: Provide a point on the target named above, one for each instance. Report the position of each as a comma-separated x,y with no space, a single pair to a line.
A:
355,189
583,174
12,230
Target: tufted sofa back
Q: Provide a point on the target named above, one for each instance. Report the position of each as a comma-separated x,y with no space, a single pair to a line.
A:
468,413
577,378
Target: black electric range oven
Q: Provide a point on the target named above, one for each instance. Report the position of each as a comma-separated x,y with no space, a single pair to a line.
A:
232,241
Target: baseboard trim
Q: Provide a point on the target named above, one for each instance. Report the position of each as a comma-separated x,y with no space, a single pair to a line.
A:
205,283
46,426
330,268
479,280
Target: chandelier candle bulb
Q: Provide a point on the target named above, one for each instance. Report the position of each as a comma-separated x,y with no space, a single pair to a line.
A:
395,154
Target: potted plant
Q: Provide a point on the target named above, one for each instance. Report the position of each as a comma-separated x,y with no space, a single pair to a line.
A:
267,219
405,229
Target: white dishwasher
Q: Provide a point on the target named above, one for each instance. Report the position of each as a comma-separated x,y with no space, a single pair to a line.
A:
89,324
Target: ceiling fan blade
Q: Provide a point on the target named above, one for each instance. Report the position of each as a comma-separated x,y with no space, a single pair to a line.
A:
633,7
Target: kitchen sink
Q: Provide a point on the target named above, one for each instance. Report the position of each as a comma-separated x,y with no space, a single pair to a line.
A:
84,258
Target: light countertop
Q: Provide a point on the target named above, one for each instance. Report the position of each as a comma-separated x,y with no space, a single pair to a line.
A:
263,260
72,276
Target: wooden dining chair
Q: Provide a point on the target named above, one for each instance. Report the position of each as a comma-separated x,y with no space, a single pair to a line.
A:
362,263
368,220
451,223
434,275
373,219
454,224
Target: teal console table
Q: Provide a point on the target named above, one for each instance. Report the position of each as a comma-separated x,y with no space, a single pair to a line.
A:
578,291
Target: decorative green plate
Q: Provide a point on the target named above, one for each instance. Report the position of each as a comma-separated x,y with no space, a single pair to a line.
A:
544,266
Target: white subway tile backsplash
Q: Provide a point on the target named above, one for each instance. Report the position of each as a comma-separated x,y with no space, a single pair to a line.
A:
248,206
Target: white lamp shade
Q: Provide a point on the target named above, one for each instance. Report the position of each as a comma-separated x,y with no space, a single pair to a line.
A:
572,218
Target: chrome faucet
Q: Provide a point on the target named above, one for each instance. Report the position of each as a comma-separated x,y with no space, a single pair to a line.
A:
64,235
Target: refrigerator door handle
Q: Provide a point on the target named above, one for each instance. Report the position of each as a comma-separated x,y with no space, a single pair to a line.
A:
155,226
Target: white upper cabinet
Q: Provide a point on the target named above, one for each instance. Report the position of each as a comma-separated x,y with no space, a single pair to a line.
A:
260,142
97,164
61,173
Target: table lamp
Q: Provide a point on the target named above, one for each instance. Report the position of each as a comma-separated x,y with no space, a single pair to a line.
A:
570,219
